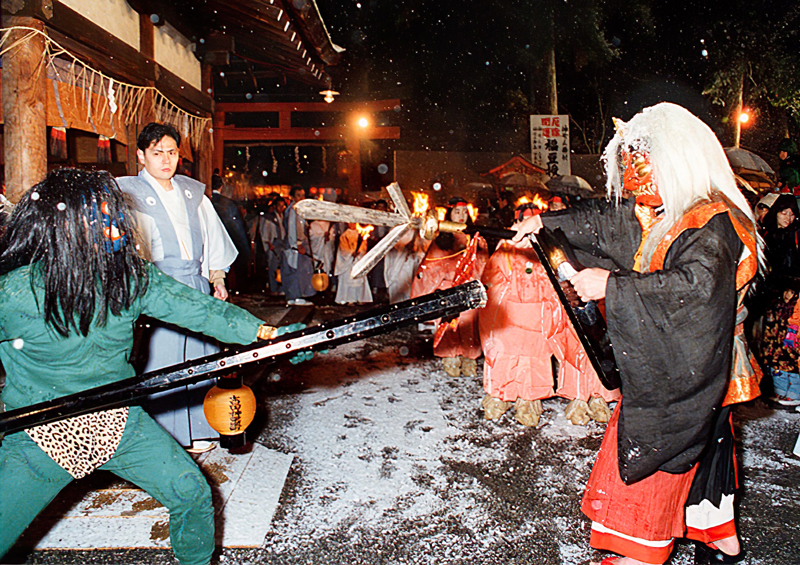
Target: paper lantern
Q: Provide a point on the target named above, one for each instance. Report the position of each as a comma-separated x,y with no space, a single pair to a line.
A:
319,281
229,408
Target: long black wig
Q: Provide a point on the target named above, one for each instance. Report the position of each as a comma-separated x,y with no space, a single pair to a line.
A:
77,232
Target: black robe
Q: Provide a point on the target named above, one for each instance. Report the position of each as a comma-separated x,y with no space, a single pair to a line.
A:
672,331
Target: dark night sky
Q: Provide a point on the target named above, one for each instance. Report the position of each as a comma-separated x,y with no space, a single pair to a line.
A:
456,66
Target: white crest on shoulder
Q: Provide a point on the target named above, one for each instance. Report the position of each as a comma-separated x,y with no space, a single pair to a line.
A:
188,193
150,201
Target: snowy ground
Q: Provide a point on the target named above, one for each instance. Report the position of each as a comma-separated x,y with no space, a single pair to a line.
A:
394,463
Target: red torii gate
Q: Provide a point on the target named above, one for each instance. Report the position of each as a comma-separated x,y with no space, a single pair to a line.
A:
351,134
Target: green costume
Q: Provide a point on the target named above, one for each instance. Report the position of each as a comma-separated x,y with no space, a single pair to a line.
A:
42,365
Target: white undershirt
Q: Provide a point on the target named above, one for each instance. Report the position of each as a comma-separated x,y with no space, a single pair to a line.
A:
218,249
176,210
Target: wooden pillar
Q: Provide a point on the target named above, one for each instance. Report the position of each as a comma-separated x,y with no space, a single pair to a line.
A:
132,164
24,109
353,144
204,154
147,48
205,157
219,140
284,119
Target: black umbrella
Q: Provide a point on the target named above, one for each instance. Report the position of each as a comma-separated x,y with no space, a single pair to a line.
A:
743,159
570,185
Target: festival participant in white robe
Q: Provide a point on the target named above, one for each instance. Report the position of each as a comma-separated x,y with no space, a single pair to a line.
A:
400,264
183,236
296,266
273,240
351,247
323,244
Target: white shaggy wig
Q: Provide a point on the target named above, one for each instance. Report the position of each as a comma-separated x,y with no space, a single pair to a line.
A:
688,164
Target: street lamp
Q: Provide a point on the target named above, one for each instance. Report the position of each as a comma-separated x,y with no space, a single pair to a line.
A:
363,122
744,117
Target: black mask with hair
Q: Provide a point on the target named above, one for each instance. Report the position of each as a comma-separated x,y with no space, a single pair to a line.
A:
76,231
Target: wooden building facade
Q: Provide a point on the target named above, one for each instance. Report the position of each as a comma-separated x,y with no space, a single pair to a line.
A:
83,75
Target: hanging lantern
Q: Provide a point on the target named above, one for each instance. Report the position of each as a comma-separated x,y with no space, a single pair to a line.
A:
229,408
328,95
278,276
343,163
58,142
319,280
103,150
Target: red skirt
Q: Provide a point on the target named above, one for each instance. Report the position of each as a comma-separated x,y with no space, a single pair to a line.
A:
651,509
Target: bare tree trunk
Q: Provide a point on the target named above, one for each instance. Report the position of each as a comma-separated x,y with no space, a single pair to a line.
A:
551,87
543,86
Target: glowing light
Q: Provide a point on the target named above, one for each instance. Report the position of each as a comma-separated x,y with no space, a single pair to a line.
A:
744,117
328,95
364,231
363,122
537,201
421,203
473,212
437,186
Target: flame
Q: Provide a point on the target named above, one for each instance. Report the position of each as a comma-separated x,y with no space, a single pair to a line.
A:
473,212
364,231
320,197
421,203
540,202
441,213
537,201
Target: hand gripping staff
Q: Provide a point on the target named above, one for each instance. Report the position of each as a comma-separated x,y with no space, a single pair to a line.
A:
553,253
373,322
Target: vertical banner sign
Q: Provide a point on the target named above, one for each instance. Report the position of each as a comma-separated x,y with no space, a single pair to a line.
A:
550,143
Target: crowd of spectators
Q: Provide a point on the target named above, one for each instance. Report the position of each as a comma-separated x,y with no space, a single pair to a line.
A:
773,307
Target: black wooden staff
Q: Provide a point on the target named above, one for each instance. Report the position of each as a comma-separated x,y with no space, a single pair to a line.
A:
377,321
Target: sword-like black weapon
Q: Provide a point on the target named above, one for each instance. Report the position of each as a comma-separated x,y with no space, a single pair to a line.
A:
373,322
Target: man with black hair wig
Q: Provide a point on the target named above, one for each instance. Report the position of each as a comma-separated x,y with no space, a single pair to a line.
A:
185,238
71,287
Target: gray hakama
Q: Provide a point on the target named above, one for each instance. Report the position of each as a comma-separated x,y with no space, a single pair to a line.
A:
179,411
